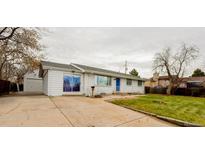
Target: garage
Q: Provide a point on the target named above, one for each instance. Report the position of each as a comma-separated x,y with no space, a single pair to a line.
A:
32,83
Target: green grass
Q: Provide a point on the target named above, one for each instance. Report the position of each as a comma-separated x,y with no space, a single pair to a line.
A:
190,109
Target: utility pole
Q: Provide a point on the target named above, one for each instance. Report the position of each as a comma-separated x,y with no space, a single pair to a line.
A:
126,67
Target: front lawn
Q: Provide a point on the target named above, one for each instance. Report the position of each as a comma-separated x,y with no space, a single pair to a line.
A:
190,109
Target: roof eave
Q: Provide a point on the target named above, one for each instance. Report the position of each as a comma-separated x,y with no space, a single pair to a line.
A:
77,67
113,75
61,69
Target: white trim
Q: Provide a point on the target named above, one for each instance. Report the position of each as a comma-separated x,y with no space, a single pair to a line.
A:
34,78
77,67
61,69
73,93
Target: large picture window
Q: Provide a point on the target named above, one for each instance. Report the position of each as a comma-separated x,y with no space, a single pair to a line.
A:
71,83
103,80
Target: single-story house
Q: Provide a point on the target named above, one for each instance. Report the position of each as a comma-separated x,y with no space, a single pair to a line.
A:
76,79
32,82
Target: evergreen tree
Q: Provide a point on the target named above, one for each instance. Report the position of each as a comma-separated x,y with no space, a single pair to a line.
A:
198,72
134,72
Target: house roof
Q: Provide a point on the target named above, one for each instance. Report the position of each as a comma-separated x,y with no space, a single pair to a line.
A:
161,78
194,79
87,69
47,64
184,79
100,71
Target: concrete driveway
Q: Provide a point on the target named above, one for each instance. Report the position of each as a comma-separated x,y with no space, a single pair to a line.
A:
70,111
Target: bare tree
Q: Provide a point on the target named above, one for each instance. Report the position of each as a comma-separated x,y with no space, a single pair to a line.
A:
7,32
175,65
20,52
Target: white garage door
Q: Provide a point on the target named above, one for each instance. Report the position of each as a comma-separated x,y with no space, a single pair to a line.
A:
33,85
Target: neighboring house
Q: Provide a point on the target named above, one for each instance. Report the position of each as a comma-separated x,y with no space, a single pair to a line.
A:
186,82
157,81
32,82
192,82
76,79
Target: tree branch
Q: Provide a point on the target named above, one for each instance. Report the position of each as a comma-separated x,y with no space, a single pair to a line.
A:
3,30
10,35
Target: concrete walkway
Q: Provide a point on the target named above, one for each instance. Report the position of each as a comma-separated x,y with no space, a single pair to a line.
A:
70,111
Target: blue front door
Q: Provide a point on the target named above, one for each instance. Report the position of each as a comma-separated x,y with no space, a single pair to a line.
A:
117,84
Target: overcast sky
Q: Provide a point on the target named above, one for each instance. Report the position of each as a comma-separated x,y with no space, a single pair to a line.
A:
109,47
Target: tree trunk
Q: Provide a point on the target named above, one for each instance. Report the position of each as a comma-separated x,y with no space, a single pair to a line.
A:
18,89
169,89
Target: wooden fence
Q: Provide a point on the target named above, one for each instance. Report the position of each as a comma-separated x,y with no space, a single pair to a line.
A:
197,92
4,87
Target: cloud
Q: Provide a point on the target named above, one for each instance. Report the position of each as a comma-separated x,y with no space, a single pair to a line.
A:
110,47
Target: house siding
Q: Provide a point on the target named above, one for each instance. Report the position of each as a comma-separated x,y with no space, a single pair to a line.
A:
124,88
134,88
106,89
32,83
53,85
90,81
45,84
